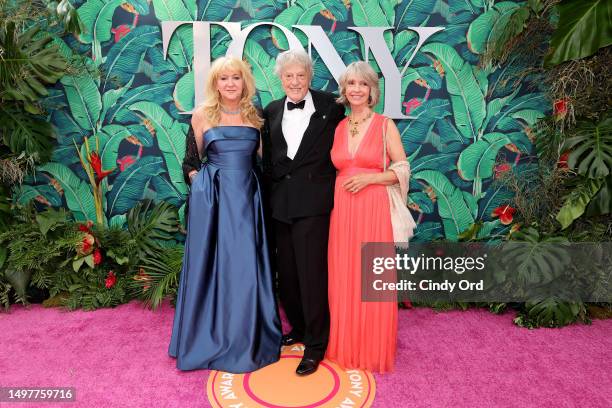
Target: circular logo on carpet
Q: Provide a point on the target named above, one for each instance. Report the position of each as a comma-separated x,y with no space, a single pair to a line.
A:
277,386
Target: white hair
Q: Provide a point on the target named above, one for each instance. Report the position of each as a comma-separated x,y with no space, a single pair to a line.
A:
293,56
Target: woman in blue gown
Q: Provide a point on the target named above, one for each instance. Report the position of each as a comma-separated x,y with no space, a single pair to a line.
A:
226,317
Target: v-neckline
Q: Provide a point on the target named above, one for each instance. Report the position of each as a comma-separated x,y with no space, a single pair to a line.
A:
348,149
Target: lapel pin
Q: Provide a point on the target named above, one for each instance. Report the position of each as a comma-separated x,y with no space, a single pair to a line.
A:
324,116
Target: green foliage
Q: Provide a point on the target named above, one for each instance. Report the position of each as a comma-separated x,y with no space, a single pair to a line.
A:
591,149
29,63
490,32
158,278
36,249
149,225
577,201
456,207
551,312
83,265
537,258
584,27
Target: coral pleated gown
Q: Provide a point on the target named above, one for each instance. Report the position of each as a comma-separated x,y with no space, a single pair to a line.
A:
362,334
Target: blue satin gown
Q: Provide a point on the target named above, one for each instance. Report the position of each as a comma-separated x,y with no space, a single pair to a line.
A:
226,317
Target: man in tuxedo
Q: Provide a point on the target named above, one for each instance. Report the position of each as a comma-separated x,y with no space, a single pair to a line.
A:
297,138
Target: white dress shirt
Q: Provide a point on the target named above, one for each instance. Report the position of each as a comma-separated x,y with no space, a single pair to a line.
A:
295,122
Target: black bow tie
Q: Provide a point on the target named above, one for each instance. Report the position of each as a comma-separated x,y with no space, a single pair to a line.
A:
299,105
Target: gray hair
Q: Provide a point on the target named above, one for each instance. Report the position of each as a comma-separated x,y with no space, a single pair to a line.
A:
364,71
293,56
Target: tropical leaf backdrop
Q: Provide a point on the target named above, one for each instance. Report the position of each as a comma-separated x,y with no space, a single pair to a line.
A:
472,121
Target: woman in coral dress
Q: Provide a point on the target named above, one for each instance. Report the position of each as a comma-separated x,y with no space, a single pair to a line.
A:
362,334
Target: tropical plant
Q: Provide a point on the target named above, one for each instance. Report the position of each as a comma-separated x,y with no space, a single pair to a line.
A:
32,58
551,312
567,196
158,276
81,265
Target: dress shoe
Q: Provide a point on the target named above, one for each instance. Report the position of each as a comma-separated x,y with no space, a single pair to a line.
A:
289,339
307,366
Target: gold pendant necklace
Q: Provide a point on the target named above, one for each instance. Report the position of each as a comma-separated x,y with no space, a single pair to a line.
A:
354,124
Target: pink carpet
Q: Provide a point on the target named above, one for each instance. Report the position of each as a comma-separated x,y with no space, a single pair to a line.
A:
118,358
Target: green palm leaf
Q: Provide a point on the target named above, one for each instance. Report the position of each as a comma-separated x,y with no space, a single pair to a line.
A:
302,12
490,31
263,70
220,10
184,92
370,13
156,93
466,96
171,138
110,137
84,100
455,211
180,49
130,185
97,19
478,159
150,224
412,13
124,58
428,231
162,271
79,197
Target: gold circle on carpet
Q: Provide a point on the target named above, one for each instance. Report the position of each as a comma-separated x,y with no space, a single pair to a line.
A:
277,386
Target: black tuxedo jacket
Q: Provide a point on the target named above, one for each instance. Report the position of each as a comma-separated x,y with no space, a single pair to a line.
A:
304,186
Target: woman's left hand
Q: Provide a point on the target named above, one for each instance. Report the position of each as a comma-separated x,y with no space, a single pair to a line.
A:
356,183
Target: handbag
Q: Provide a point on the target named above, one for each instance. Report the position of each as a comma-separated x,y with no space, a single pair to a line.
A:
401,218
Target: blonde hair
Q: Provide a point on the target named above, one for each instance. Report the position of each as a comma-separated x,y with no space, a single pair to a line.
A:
364,71
212,105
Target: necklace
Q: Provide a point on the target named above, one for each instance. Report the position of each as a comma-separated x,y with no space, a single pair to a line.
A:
229,112
354,124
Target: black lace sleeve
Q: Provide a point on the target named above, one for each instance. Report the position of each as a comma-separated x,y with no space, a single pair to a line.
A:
192,158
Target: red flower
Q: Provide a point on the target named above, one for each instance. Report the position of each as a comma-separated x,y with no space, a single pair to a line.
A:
86,245
125,162
501,169
111,279
97,256
562,163
560,108
120,31
411,104
86,227
96,164
505,213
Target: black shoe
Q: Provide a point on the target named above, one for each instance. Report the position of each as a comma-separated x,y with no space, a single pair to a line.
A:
289,339
307,366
